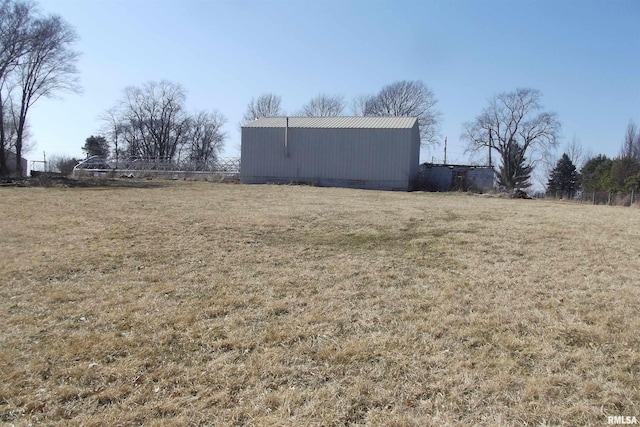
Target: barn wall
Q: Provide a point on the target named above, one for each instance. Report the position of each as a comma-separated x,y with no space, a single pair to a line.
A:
438,178
414,159
481,179
359,158
441,177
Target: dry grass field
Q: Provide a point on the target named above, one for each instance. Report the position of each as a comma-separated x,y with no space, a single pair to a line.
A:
193,303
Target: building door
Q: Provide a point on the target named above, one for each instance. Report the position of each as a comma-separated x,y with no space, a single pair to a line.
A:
458,181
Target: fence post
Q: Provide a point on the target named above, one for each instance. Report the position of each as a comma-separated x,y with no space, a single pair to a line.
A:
633,190
593,198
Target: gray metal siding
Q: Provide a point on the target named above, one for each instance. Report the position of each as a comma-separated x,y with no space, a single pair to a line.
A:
414,157
364,158
440,177
482,179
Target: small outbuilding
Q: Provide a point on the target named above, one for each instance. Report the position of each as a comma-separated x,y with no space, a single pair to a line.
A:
358,152
443,177
10,158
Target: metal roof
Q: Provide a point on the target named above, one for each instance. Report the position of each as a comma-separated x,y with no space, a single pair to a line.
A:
359,122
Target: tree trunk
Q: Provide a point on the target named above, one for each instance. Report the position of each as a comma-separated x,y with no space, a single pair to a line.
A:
3,161
3,143
19,134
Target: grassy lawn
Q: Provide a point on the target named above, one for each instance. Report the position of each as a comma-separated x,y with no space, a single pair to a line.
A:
192,303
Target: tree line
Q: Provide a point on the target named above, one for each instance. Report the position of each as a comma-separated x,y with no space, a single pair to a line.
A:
151,123
405,98
600,173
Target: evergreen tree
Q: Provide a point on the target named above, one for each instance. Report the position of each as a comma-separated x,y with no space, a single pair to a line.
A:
563,178
96,146
622,168
514,173
595,175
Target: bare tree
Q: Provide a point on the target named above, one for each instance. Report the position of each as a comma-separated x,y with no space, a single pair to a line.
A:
631,146
11,132
15,21
151,121
267,105
360,104
151,128
112,129
575,152
514,118
205,139
408,98
61,164
47,68
324,106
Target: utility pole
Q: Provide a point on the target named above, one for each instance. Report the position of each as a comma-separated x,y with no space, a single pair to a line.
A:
445,150
490,146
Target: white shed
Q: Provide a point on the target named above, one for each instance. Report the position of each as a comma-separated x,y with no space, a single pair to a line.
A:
357,152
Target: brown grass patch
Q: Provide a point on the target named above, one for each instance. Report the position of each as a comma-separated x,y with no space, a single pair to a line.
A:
197,303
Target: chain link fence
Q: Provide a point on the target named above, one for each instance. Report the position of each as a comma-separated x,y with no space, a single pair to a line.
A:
221,169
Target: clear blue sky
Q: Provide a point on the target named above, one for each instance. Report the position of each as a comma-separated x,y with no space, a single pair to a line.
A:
584,55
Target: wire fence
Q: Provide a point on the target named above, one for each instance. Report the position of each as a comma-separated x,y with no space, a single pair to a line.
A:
227,169
611,198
